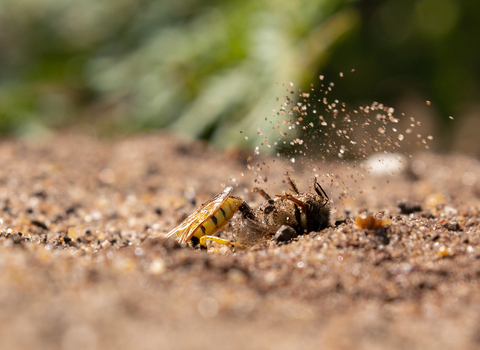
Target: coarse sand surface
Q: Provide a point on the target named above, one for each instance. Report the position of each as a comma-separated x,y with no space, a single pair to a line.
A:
84,265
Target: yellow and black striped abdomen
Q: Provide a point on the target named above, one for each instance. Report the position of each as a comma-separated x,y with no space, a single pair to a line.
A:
219,218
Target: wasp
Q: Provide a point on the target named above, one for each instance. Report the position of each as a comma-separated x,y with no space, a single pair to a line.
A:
209,218
283,217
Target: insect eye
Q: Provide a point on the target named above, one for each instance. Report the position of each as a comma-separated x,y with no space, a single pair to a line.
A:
271,201
269,209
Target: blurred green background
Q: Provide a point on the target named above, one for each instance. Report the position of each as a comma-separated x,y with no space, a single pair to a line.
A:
209,68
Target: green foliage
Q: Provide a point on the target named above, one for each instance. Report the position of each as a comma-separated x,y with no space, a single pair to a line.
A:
210,68
428,47
204,68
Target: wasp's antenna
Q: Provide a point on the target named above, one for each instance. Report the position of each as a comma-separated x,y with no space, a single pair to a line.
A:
291,183
320,191
261,193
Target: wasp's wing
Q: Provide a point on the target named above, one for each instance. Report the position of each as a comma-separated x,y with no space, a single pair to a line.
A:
185,230
248,232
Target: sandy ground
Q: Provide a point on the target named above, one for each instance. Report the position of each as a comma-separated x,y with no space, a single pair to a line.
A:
84,265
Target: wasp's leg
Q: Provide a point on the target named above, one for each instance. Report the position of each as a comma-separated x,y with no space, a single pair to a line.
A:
291,183
261,193
218,240
215,239
319,188
293,199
